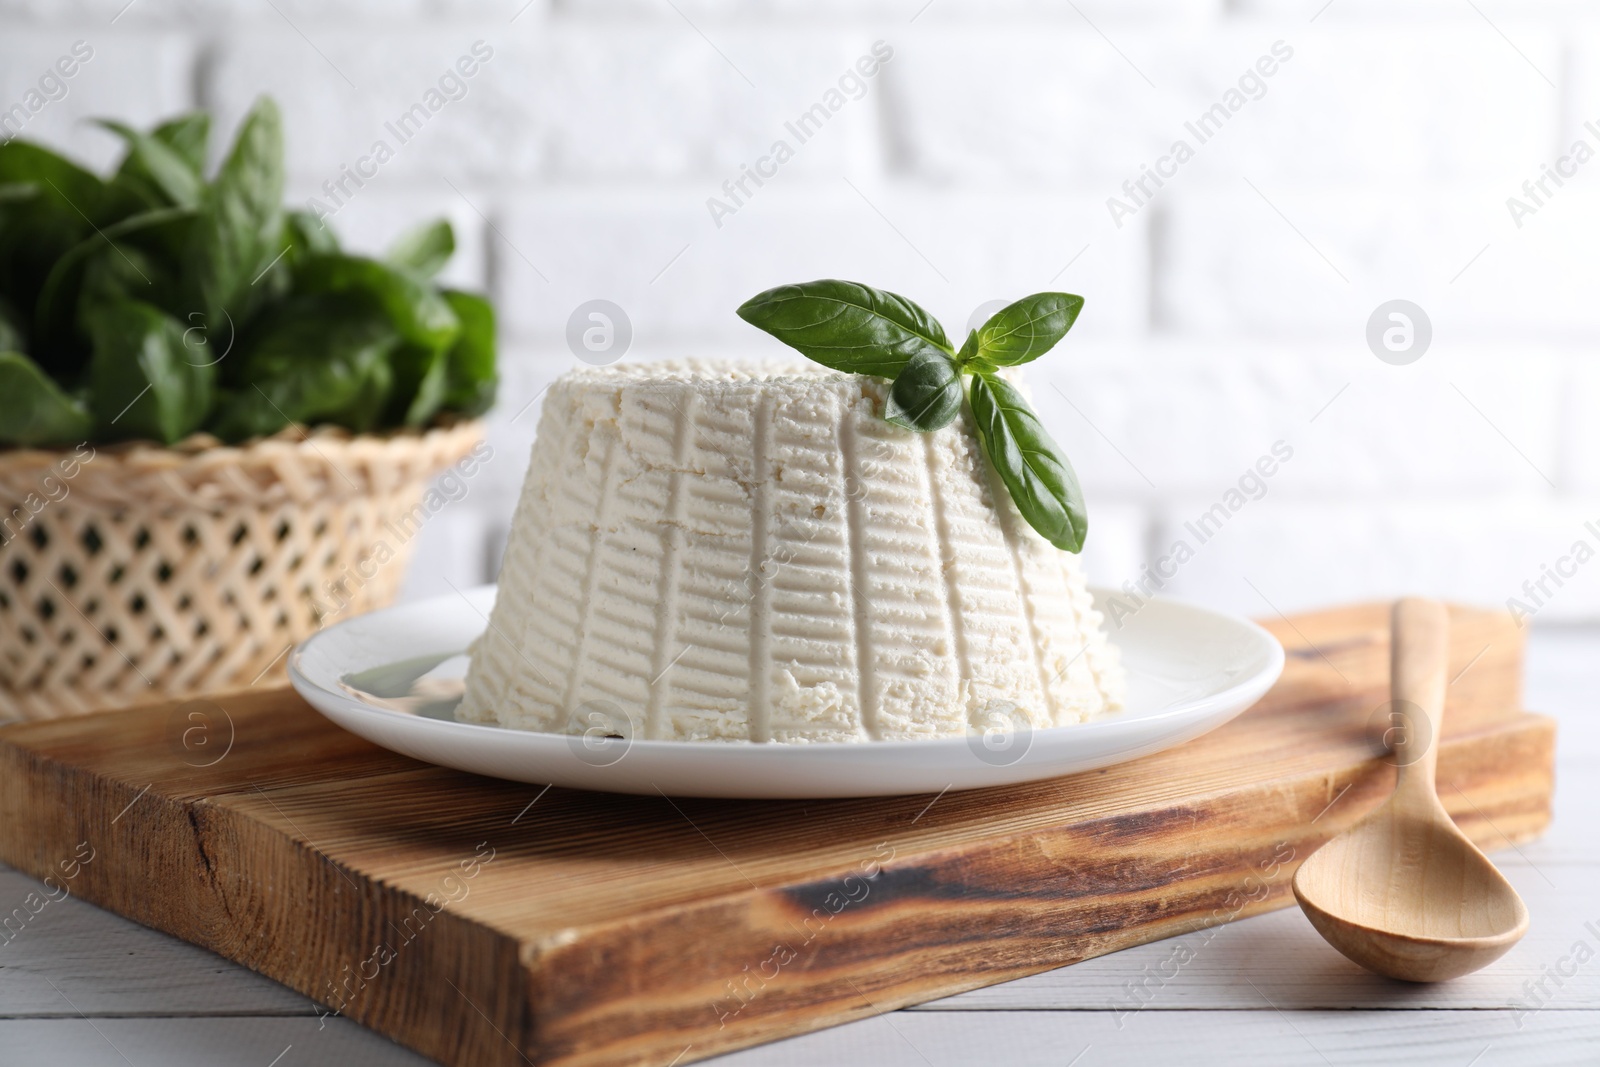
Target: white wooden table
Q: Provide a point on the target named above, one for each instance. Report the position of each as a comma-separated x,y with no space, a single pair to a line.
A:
84,988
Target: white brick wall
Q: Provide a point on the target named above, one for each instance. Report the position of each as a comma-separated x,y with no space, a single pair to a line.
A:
1291,555
954,250
134,74
1174,417
1226,314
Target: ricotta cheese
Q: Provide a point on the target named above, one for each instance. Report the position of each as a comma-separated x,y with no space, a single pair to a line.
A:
750,552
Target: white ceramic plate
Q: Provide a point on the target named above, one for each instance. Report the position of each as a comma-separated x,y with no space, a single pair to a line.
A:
393,677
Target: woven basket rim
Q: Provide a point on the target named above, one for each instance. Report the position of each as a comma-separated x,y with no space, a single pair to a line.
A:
201,443
295,463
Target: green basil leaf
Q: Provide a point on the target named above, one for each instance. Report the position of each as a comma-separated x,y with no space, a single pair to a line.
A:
927,393
969,349
420,379
59,180
124,273
240,233
1024,331
187,135
146,381
13,335
470,380
419,313
153,161
38,230
314,359
309,236
134,271
846,325
34,410
425,250
1030,464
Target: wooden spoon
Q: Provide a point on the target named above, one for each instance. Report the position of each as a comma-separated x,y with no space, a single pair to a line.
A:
1403,892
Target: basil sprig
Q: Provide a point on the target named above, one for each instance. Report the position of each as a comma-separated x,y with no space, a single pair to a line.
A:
855,328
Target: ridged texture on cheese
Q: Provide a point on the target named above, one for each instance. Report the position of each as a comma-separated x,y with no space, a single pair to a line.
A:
752,553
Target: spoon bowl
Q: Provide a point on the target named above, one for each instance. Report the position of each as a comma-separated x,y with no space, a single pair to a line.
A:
1451,914
1403,892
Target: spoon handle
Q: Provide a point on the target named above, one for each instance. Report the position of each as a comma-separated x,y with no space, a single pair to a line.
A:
1419,660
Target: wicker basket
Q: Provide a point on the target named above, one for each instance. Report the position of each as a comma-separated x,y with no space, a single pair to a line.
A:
130,573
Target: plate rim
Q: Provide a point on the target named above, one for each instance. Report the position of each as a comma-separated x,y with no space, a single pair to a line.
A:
1257,684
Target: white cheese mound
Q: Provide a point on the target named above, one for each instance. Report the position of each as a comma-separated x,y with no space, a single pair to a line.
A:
749,552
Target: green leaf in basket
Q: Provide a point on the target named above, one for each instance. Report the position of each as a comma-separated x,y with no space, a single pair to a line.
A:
146,379
470,379
313,360
425,250
157,167
419,313
240,233
34,410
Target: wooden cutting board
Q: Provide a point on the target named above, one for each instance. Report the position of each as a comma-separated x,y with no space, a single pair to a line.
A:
486,922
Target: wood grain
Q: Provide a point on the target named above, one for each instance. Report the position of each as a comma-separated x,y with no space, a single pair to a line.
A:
612,930
1280,953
